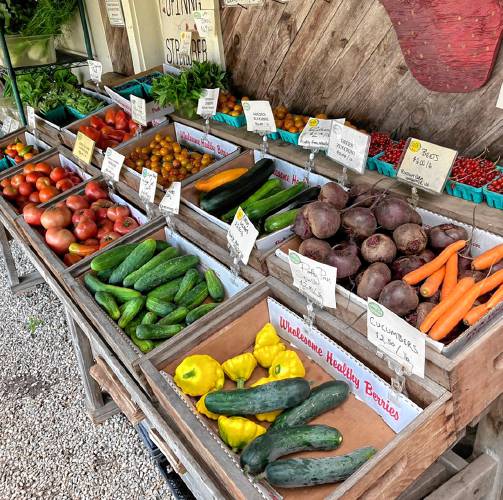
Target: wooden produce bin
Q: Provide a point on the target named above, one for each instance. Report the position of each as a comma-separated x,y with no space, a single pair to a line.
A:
409,434
471,362
28,138
116,338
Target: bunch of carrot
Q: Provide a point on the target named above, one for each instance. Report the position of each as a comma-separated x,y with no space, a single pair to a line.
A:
457,298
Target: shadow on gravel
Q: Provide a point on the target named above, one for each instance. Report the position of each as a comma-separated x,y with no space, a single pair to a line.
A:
23,386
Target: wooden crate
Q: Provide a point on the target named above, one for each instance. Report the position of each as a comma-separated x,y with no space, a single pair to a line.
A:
27,138
402,456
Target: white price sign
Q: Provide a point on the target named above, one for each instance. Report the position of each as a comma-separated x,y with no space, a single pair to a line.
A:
170,203
316,133
313,279
426,165
205,22
112,164
185,43
242,236
148,184
207,104
30,116
138,110
115,14
349,147
95,70
396,338
8,125
259,117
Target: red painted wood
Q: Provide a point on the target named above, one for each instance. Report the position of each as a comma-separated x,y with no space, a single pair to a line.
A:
449,45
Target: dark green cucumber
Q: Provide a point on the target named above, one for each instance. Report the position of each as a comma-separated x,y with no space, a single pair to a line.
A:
261,208
121,294
93,284
131,327
112,258
300,472
269,188
269,446
199,312
156,332
280,221
149,319
144,345
223,198
165,272
215,287
108,304
139,256
195,297
189,281
133,307
163,256
174,317
160,307
323,398
167,291
105,275
277,395
161,245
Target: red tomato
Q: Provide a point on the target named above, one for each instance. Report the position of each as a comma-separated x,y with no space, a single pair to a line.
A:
59,239
124,225
43,167
116,135
5,183
18,159
108,238
83,213
110,117
33,176
30,167
17,180
57,174
121,120
92,242
26,188
95,191
48,193
91,132
56,217
10,192
43,182
64,184
133,127
34,197
96,122
77,202
12,153
85,229
113,213
70,259
105,226
32,214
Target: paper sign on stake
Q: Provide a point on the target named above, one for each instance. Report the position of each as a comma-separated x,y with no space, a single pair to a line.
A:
138,110
316,133
95,70
349,147
313,279
396,338
205,22
207,103
115,14
185,43
242,236
170,203
426,165
112,164
83,148
148,184
259,117
30,116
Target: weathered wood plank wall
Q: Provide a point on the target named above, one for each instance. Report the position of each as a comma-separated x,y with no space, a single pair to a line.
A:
343,57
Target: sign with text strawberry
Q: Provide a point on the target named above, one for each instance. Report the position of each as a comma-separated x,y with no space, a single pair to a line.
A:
349,147
241,236
259,117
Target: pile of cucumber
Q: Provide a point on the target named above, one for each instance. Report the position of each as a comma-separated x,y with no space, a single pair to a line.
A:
152,291
266,203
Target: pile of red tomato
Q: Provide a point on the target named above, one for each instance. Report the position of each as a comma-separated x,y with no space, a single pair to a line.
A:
38,183
81,224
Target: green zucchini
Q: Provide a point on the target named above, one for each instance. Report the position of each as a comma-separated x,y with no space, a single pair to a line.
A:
144,345
223,198
167,291
149,319
189,281
174,317
105,275
261,208
277,395
133,307
165,272
108,304
323,398
112,258
195,297
215,286
199,312
269,446
159,306
163,256
300,472
280,221
267,189
155,332
161,245
139,256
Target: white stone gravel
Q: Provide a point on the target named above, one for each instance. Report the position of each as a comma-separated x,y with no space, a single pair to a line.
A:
48,446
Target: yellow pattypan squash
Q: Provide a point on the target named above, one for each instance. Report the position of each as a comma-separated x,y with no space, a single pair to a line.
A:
198,374
201,408
286,364
240,368
237,432
267,345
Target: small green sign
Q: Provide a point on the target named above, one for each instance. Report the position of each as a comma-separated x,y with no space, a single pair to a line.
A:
375,309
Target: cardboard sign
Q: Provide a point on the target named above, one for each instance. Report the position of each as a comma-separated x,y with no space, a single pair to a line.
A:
207,103
316,133
349,147
313,279
426,165
30,117
170,203
148,185
396,338
259,117
138,110
95,70
185,42
205,22
83,148
242,235
112,164
115,14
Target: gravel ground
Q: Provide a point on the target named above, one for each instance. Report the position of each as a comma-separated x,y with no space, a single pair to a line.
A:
48,446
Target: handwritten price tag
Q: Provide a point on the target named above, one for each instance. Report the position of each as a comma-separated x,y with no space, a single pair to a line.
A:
83,148
426,165
207,104
259,117
170,203
30,116
316,133
349,147
95,70
242,236
138,110
9,125
313,279
185,43
396,338
112,164
205,22
148,184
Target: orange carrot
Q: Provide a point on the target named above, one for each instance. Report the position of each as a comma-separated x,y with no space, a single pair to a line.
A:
462,287
474,314
451,276
496,298
491,282
488,258
421,273
432,283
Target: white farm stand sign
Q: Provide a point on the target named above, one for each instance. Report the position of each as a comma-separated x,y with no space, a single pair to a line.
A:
178,16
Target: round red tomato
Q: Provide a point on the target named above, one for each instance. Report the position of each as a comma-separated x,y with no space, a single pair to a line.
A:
32,214
43,167
108,238
17,179
30,167
57,174
91,242
85,229
10,192
81,213
34,197
56,217
59,239
71,258
43,182
64,184
105,226
95,191
5,183
124,225
48,193
26,188
77,202
33,176
113,213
